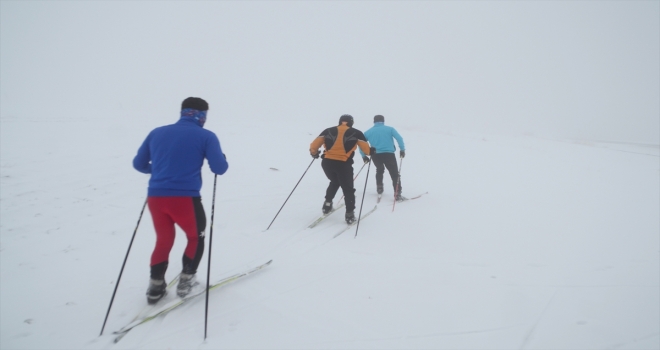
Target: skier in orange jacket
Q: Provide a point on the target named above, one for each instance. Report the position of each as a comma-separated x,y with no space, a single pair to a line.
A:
340,143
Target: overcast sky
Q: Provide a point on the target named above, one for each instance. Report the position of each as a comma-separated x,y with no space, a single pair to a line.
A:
573,69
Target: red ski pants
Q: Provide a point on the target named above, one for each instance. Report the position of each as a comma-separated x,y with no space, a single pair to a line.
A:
188,214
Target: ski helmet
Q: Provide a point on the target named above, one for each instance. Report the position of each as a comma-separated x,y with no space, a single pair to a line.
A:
346,118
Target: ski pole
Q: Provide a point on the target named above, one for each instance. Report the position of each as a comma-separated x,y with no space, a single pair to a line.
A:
122,267
208,271
356,176
362,204
287,198
398,183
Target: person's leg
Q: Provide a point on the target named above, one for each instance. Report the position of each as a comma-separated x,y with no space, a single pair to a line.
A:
188,213
345,177
165,231
331,172
191,218
377,159
389,159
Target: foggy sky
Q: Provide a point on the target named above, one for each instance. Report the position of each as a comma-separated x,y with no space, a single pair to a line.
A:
570,69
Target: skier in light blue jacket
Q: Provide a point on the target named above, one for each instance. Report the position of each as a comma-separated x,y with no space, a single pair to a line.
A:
381,137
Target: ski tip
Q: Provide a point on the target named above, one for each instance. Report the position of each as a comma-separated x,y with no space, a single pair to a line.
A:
118,338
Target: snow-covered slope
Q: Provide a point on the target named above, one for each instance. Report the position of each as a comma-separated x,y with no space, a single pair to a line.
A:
532,125
521,242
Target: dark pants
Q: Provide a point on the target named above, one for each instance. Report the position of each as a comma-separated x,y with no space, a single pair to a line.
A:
340,174
188,214
386,160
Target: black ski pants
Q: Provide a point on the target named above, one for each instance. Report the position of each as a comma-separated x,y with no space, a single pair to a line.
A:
386,160
340,174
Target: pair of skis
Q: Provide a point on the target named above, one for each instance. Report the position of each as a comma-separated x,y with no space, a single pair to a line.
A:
380,196
324,216
156,311
349,226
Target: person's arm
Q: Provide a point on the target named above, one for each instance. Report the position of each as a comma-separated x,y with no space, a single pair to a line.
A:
142,161
365,159
363,144
367,139
364,147
399,140
361,151
316,145
217,160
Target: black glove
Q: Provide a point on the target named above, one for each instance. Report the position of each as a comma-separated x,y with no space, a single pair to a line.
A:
372,151
315,156
366,159
402,154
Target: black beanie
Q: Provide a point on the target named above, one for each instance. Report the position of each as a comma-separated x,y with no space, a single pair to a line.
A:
195,103
346,118
379,118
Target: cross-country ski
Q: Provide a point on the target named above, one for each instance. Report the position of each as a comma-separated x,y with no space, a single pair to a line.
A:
348,227
164,309
325,216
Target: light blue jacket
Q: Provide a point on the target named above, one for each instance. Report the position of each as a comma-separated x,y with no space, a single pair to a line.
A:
382,138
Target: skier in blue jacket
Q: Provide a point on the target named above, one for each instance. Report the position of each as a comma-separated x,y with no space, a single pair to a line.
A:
382,137
174,155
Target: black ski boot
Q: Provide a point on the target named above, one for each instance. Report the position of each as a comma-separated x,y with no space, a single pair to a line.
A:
156,291
379,189
399,198
327,207
350,217
186,284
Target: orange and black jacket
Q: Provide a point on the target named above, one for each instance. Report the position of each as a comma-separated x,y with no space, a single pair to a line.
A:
340,142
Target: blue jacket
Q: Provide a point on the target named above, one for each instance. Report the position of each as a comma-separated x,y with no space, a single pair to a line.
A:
174,155
382,138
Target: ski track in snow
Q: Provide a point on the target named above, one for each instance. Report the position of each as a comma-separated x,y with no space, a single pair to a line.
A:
530,333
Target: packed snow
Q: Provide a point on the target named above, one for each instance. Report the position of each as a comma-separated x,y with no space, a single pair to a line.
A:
521,242
525,239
